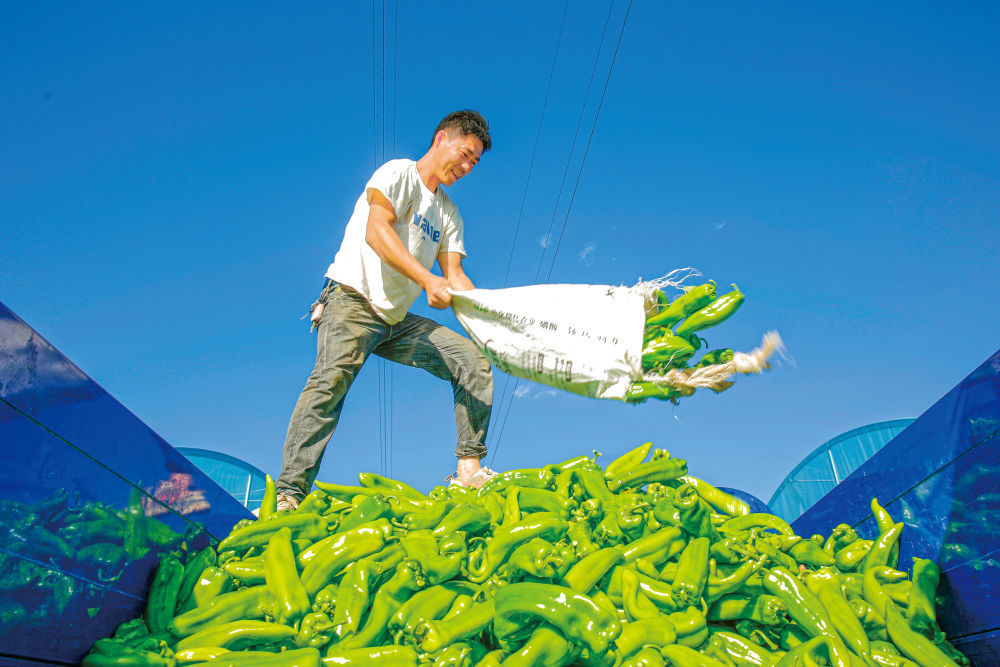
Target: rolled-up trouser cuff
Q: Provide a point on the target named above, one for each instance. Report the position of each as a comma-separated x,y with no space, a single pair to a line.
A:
470,448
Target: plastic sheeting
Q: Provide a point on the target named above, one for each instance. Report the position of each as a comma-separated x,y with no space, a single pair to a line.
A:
89,498
941,477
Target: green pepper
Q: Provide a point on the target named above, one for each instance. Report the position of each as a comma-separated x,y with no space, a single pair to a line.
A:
302,657
582,462
766,609
390,596
844,620
573,614
373,507
656,547
920,611
379,656
426,605
542,500
193,568
713,314
913,644
162,599
692,573
432,635
636,605
539,478
627,461
353,595
427,517
315,630
803,606
659,470
212,582
258,533
882,548
125,656
423,547
872,586
316,502
694,513
693,299
656,631
329,561
246,571
380,527
818,650
326,600
269,503
343,491
714,358
464,517
684,656
485,561
665,352
657,591
757,520
720,500
840,537
591,568
289,598
807,552
547,646
387,486
246,603
236,635
691,626
642,390
535,558
851,557
742,651
200,654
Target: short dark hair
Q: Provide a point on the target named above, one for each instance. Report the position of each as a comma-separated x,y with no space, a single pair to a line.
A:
466,121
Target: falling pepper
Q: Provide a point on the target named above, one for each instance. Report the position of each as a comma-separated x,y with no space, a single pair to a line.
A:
693,299
713,314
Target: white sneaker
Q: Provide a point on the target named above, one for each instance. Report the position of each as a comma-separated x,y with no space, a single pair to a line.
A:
475,481
286,502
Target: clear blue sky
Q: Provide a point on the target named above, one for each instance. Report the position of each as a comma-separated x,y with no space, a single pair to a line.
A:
175,178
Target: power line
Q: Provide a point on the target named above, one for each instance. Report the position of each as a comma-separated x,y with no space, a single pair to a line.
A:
590,139
555,210
531,164
576,185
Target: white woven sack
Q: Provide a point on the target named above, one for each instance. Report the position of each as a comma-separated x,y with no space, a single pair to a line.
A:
586,339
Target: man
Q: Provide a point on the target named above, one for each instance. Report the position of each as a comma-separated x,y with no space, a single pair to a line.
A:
401,223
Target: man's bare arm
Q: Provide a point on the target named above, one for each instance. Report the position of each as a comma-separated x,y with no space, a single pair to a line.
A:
388,246
451,267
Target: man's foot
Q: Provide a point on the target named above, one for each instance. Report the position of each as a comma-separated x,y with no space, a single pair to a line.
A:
475,480
287,502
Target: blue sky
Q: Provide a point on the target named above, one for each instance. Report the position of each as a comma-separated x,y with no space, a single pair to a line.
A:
176,177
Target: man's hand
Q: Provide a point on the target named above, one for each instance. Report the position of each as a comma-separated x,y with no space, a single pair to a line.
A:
435,287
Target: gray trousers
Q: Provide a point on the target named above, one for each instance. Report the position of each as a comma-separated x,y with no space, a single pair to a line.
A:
349,331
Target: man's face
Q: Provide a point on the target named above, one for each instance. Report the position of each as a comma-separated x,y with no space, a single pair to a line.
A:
459,154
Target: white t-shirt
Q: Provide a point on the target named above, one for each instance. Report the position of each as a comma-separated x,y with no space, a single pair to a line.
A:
426,222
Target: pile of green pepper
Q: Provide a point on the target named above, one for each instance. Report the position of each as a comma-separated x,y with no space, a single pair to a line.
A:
634,564
670,338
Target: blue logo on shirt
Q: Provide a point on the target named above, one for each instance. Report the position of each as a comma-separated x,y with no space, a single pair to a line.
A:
421,223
